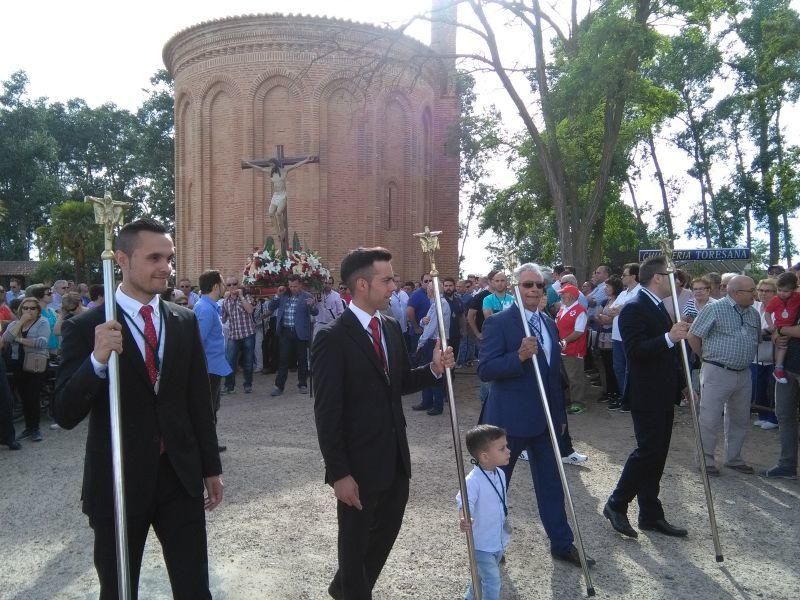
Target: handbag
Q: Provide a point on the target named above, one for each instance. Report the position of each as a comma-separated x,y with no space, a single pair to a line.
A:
34,363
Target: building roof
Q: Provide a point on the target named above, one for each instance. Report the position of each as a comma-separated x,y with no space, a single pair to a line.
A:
22,268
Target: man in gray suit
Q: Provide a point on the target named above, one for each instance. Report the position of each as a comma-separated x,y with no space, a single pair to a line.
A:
293,312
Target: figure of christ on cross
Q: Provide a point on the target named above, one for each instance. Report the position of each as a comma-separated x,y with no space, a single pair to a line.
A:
278,169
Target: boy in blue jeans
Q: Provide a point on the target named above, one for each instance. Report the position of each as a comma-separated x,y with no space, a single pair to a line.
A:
486,489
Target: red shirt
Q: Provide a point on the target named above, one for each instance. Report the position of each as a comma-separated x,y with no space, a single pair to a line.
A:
5,313
778,307
566,320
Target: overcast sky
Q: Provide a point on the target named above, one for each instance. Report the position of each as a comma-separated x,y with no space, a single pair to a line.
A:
106,51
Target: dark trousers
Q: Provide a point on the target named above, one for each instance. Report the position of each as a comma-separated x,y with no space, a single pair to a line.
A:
215,382
7,433
29,387
641,476
607,358
432,397
180,524
289,343
763,392
547,485
366,538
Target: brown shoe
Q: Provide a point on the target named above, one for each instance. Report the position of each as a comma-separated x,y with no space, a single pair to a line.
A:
746,469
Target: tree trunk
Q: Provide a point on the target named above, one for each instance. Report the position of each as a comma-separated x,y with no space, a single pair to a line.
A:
704,204
662,186
787,235
702,160
748,205
767,196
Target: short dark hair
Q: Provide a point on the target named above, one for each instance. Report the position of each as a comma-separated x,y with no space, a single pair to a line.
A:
787,281
478,438
616,284
410,283
358,264
633,269
450,279
37,290
682,276
492,273
128,236
95,291
293,277
208,279
649,268
558,269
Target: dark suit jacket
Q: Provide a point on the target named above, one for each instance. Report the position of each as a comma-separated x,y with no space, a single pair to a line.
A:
360,423
654,379
180,414
302,315
514,401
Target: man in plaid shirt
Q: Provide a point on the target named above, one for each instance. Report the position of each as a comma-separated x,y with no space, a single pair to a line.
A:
237,312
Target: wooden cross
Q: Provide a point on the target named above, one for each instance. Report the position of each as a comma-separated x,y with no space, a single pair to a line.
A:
279,160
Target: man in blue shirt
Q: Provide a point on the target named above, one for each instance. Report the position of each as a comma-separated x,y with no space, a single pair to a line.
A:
418,305
209,320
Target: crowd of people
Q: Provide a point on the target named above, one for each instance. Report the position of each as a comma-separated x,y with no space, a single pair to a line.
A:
607,340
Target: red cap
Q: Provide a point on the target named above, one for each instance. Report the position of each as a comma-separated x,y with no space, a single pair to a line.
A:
569,289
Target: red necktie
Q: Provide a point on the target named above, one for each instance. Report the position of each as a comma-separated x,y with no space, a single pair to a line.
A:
150,349
375,328
150,343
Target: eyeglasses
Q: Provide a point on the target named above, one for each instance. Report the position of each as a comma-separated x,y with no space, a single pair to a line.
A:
427,280
750,291
529,284
341,287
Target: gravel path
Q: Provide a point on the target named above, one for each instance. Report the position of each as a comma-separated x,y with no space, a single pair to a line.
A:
274,536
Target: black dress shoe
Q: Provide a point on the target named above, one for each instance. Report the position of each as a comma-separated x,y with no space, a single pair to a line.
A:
14,445
420,407
435,411
662,526
221,448
619,521
334,591
573,557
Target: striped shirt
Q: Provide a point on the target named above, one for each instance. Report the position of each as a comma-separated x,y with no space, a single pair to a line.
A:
730,333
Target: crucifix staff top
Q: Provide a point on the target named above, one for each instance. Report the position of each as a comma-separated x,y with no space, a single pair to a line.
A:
278,169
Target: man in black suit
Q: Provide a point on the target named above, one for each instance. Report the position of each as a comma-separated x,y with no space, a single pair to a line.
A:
169,441
652,390
361,370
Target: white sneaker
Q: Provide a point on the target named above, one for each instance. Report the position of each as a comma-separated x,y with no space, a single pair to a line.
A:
54,426
758,423
768,425
574,459
524,455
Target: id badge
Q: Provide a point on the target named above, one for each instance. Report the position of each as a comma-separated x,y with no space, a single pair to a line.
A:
785,314
507,526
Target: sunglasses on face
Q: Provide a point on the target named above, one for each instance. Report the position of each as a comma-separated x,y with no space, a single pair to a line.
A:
427,280
530,284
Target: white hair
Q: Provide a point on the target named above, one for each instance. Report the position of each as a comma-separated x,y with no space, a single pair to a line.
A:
569,278
528,268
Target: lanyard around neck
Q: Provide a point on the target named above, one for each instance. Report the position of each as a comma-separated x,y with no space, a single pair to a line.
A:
502,495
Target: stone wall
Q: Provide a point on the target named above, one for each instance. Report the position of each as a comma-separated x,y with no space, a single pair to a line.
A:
387,165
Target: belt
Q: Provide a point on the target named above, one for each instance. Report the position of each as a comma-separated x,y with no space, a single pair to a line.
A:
727,368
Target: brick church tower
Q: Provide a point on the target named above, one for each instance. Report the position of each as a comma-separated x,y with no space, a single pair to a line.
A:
388,160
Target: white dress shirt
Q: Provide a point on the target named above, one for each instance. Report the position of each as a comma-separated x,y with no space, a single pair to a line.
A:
130,312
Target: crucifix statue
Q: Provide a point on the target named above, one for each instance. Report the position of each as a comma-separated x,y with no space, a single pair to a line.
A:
278,169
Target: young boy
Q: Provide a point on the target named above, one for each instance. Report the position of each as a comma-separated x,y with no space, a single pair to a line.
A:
782,311
486,489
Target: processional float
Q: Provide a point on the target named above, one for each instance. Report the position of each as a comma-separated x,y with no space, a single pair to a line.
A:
693,405
429,240
109,213
554,440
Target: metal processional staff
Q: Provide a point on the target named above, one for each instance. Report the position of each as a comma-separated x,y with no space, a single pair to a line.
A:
429,241
109,213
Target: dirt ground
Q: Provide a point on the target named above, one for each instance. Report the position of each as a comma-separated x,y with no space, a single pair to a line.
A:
274,536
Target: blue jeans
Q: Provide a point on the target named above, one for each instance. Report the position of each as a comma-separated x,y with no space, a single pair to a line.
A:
467,350
247,347
620,365
489,574
432,397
